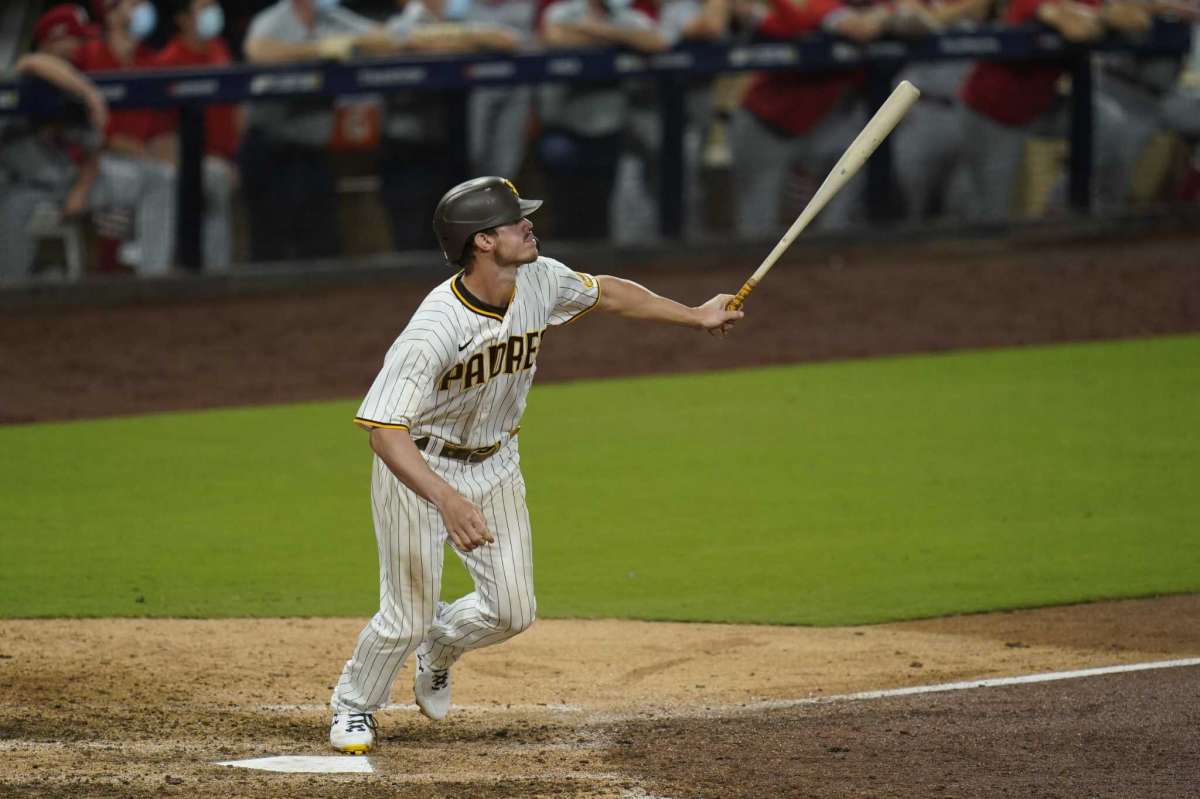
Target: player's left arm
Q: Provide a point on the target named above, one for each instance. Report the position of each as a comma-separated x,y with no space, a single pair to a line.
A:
1127,17
635,301
63,75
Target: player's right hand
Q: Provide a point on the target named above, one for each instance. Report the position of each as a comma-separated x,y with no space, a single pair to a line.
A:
464,523
713,317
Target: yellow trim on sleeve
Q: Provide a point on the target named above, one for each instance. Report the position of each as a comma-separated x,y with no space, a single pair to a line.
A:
589,308
369,423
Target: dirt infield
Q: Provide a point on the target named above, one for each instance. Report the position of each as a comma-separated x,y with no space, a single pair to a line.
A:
141,708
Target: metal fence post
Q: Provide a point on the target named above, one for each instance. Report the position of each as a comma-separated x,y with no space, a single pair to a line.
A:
882,202
672,98
459,103
189,244
1082,132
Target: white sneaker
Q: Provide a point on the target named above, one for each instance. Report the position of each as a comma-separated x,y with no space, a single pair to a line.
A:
352,733
432,687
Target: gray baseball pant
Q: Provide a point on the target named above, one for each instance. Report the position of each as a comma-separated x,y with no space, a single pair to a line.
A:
145,186
763,158
994,152
499,119
634,207
148,187
17,247
218,213
927,154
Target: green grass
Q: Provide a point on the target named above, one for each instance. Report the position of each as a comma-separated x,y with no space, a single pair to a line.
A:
822,494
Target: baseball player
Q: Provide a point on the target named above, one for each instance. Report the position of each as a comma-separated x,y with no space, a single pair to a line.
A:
795,118
1147,89
1006,103
583,123
54,166
416,155
288,180
499,115
443,416
927,146
634,206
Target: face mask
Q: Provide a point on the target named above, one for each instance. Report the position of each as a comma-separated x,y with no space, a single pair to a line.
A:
326,5
142,21
209,22
456,9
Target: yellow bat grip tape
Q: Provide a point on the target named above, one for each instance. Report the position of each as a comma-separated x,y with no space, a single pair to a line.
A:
740,297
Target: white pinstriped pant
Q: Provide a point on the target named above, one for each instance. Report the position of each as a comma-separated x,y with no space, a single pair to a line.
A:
411,537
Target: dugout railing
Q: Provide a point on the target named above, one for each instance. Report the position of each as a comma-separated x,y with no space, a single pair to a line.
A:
192,89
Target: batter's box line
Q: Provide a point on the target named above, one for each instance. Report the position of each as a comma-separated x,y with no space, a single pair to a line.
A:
523,708
993,682
601,716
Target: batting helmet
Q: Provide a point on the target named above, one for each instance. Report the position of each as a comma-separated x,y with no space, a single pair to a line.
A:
473,206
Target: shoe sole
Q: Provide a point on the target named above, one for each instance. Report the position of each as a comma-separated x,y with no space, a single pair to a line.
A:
354,749
429,715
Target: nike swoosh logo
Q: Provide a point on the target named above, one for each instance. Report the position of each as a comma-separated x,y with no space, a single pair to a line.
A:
467,344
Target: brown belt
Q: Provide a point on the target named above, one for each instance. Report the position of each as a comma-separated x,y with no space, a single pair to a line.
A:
463,453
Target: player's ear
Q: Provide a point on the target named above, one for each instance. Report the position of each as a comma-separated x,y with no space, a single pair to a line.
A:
484,240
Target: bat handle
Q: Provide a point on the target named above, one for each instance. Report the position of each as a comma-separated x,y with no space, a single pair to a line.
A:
740,297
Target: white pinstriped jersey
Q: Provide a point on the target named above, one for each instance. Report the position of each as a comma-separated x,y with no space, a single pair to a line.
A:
461,370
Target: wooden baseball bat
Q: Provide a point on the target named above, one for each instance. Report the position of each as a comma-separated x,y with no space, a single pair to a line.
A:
885,119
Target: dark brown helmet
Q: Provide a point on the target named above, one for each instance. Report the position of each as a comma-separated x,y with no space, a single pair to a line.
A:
473,206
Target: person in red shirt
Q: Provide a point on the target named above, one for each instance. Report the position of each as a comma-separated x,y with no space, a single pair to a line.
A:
63,30
790,119
48,155
198,43
126,24
56,168
927,145
1006,103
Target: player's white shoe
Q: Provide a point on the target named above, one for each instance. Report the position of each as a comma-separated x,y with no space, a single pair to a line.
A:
432,687
352,733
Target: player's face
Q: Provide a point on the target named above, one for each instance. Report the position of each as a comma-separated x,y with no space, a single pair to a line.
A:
515,243
65,47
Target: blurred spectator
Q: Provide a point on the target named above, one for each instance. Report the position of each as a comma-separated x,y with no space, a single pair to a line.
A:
499,115
1181,108
1005,103
791,119
727,88
289,184
583,122
50,167
126,25
928,144
62,31
418,161
635,211
198,43
1147,88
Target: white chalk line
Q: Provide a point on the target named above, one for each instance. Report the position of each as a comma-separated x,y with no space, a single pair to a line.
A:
525,708
780,704
993,682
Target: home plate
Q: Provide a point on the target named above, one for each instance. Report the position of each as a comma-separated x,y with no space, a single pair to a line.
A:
306,764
